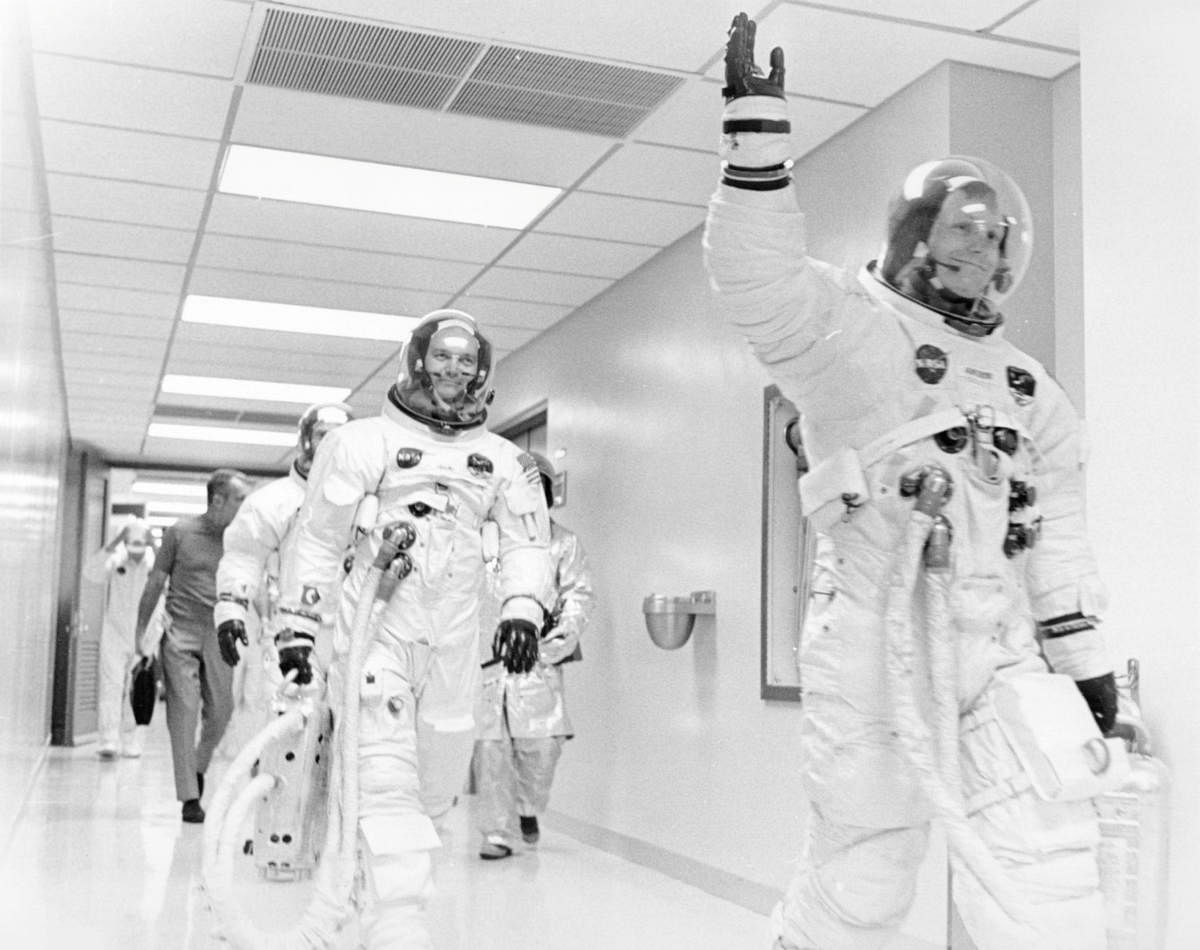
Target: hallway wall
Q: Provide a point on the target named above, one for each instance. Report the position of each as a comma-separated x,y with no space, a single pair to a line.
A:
658,407
33,433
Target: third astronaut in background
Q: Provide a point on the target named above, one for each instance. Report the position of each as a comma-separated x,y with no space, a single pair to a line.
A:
254,545
522,716
428,470
917,412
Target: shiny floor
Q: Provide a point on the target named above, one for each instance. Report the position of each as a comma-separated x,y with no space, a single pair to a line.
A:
99,859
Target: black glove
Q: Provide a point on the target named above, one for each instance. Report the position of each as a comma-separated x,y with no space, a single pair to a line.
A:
296,655
1101,695
742,77
516,645
228,633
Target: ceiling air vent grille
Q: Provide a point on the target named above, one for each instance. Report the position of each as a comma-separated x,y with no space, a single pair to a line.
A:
359,60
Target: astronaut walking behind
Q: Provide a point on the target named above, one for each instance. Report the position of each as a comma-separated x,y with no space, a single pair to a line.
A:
426,462
910,395
522,716
254,546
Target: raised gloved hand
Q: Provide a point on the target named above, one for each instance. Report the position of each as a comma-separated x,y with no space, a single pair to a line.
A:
296,655
1101,695
228,633
515,644
742,77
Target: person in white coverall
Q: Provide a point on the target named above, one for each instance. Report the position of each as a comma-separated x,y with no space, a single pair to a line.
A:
425,468
910,395
124,566
522,717
254,545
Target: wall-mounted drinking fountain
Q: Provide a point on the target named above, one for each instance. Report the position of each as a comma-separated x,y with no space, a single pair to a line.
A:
670,619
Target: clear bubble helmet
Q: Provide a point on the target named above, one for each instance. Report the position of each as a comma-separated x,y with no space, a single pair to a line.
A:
959,240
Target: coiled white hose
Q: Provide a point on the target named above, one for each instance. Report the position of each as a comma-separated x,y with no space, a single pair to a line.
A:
938,772
327,911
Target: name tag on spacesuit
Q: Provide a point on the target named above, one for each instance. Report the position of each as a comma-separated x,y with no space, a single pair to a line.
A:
1050,728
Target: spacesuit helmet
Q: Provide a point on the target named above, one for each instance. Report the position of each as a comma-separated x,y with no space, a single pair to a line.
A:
315,423
545,476
445,377
959,239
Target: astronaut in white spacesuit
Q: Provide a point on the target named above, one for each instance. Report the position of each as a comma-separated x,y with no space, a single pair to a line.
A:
522,717
908,390
426,469
248,572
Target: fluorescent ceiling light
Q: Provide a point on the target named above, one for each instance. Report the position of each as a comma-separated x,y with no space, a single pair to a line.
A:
175,508
293,318
389,189
252,389
169,430
160,522
183,489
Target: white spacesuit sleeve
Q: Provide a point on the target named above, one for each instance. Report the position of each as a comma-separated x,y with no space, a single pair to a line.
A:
526,570
347,468
574,602
1062,575
793,310
249,540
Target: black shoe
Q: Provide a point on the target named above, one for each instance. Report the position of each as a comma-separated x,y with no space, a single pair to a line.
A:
200,783
529,829
192,812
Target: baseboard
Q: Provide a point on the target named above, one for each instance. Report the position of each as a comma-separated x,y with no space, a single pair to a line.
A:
731,887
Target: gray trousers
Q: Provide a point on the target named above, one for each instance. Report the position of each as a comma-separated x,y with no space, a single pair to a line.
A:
199,688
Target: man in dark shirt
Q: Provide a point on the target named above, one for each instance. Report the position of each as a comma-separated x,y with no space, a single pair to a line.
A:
198,683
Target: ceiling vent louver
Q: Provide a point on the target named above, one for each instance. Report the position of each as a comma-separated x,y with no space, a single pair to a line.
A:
357,60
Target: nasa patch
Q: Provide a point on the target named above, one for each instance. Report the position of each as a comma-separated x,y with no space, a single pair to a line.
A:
310,597
1022,385
479,465
408,457
931,363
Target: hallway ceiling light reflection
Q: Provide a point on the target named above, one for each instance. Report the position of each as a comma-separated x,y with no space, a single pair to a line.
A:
175,508
256,389
171,430
387,189
294,318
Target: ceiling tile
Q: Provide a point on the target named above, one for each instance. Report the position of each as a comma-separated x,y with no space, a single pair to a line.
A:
117,272
526,315
152,205
577,255
150,100
133,325
238,338
963,14
656,172
341,227
106,344
118,364
691,118
313,293
621,219
184,35
397,135
132,156
1053,22
88,236
815,42
338,264
539,286
199,359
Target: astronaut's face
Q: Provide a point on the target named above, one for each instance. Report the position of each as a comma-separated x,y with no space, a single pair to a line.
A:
964,243
136,543
452,361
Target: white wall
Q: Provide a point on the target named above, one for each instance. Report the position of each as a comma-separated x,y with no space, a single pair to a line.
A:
1141,155
659,407
32,434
